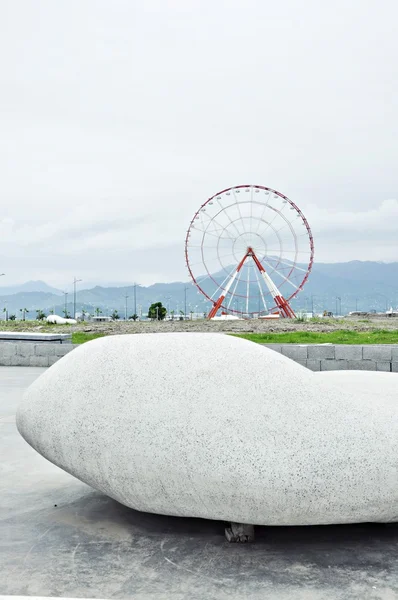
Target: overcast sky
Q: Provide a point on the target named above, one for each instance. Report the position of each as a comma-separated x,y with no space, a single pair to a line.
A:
119,118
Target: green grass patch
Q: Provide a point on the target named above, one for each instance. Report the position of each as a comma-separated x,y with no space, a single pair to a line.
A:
343,336
79,337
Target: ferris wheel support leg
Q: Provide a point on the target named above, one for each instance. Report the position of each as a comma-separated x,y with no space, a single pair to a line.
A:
217,304
215,308
285,309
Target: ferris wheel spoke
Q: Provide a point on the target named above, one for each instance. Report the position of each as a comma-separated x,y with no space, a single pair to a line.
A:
276,231
212,221
263,213
233,293
229,236
260,290
229,275
278,213
280,275
248,288
212,233
251,208
211,260
289,265
241,218
224,210
290,252
292,266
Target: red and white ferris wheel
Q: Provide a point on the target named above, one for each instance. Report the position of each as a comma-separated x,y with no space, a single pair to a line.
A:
249,250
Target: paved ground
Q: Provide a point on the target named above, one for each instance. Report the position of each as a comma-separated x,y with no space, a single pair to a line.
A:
58,537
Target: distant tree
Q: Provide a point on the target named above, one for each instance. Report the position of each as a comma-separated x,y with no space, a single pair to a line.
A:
134,317
12,317
84,312
23,311
181,315
204,315
98,312
40,315
157,311
172,312
66,314
5,311
51,312
115,315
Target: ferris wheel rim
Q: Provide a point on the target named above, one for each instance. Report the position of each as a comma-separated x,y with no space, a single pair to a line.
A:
292,265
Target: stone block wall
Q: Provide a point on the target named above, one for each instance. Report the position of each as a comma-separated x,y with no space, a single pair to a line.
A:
315,358
344,357
29,354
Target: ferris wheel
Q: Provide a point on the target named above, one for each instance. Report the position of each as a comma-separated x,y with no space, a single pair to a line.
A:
249,250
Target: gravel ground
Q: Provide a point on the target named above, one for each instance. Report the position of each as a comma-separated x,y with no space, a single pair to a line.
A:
252,325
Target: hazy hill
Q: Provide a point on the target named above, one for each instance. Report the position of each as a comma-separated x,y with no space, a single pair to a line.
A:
29,286
365,285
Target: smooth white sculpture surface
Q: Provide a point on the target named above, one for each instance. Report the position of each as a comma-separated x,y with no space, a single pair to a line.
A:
209,425
57,320
369,383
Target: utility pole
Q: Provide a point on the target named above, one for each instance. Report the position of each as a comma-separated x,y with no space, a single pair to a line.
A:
75,281
185,302
337,300
125,307
66,303
356,304
135,298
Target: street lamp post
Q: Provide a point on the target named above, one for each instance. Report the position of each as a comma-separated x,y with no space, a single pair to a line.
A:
337,299
312,304
66,303
75,281
135,298
385,298
125,307
185,301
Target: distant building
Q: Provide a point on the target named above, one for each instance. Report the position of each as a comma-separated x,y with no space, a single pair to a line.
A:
101,319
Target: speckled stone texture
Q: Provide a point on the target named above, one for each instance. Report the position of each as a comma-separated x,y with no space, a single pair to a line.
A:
378,385
208,425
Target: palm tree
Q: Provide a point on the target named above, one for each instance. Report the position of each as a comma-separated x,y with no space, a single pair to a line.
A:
98,311
23,311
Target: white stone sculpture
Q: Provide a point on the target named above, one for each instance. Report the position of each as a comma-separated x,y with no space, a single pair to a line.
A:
213,426
57,320
370,383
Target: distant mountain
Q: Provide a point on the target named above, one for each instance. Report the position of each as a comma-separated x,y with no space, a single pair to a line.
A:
353,285
29,286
